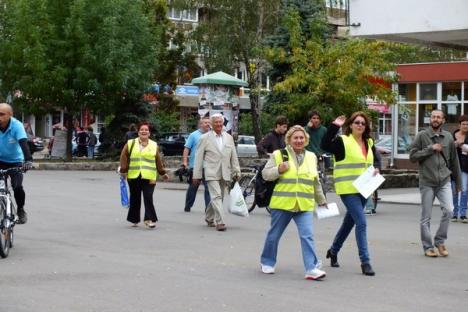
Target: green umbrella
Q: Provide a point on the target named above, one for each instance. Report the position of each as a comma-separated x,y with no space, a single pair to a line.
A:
220,78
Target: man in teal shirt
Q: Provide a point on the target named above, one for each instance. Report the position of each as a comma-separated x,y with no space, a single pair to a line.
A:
316,132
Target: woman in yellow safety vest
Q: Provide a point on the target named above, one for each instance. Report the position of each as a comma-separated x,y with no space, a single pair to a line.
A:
354,152
294,196
140,163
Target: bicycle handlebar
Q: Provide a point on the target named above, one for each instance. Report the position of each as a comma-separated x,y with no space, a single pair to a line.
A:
9,170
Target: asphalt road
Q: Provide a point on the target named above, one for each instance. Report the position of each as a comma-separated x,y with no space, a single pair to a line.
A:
77,253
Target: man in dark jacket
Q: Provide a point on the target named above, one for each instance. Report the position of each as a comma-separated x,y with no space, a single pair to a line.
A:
275,139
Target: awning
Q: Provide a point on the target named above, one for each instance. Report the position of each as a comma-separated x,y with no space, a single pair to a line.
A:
220,78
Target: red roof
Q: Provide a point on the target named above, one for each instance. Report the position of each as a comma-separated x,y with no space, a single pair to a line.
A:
433,72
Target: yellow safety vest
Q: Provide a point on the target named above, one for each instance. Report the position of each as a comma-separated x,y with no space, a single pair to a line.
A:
352,166
295,187
142,162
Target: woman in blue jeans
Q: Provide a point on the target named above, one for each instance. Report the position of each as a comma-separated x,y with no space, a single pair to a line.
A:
354,152
294,197
461,141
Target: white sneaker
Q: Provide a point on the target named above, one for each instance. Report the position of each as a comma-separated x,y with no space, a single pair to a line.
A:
267,269
315,274
150,224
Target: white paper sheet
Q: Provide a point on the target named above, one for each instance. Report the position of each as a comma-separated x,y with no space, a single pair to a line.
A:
367,182
323,212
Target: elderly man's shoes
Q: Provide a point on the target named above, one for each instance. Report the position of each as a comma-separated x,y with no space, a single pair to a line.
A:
430,253
442,250
221,227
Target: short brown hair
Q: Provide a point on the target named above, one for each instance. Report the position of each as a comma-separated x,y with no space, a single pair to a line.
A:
281,120
463,118
313,113
144,123
347,125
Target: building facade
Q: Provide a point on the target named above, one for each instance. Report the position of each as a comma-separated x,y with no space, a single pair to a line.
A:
422,88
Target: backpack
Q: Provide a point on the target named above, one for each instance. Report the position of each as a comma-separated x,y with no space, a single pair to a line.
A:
264,189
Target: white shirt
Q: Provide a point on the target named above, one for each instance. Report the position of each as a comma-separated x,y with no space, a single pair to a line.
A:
219,141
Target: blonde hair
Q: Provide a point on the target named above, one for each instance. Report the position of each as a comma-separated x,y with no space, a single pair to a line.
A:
291,131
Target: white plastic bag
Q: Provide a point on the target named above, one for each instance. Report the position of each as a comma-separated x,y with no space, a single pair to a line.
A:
235,202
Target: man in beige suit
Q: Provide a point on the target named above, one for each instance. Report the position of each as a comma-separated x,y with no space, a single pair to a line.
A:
216,153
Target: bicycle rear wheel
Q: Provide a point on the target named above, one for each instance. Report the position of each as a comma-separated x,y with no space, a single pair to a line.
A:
247,185
4,231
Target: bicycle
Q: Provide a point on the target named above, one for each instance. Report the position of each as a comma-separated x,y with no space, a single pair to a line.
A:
8,216
247,185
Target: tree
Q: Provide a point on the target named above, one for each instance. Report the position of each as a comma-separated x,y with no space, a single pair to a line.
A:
72,54
232,32
328,75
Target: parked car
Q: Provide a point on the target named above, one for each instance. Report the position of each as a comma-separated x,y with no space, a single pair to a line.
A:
35,144
246,146
384,146
172,144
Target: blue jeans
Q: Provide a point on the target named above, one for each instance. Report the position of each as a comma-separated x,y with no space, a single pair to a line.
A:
279,221
355,204
460,207
192,193
90,152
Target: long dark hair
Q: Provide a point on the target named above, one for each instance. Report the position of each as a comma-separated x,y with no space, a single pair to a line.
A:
347,125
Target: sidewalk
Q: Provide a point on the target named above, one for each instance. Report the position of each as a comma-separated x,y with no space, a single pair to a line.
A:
407,196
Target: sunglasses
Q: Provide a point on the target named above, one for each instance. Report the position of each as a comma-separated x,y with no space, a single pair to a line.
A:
362,123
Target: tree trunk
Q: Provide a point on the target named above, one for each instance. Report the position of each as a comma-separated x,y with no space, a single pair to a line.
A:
255,110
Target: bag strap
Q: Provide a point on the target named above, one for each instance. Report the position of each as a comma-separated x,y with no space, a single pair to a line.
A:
284,154
131,148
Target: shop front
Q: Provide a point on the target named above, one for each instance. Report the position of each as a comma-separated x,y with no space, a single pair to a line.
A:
421,89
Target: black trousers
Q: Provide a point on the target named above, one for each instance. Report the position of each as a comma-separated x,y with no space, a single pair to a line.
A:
137,187
16,183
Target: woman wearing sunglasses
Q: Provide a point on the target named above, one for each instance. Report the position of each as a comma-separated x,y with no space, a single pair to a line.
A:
354,151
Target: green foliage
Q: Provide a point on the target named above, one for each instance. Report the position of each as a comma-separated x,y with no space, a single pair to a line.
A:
162,123
401,53
72,54
332,77
245,123
313,24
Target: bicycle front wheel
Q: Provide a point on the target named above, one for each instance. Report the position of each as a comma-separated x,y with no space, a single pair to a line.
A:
4,230
247,185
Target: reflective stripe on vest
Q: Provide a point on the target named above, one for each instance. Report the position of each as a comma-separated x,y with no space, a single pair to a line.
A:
352,166
295,187
143,162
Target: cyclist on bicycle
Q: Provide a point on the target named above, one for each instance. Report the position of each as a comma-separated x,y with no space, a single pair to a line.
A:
14,152
275,139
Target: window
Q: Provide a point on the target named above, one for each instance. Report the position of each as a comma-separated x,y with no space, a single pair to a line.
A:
407,92
186,15
452,112
427,91
451,91
425,115
385,124
174,13
406,126
466,92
